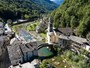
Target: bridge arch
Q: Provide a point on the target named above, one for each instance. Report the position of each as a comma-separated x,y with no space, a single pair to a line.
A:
44,45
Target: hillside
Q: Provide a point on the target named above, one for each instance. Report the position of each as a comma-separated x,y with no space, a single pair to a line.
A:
12,9
75,14
46,4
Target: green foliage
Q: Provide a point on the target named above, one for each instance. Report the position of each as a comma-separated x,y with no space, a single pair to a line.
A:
26,16
31,27
14,9
69,54
43,64
73,13
58,51
16,28
77,60
84,26
73,22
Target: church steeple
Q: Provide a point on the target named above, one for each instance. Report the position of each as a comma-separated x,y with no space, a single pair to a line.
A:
50,25
51,35
50,32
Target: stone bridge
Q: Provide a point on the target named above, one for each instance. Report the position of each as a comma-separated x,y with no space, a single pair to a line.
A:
44,45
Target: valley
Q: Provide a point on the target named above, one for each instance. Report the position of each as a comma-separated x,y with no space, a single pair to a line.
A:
44,34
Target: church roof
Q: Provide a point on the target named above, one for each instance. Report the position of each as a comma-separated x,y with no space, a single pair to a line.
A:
65,31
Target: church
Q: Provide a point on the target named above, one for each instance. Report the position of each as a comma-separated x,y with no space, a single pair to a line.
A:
58,36
51,36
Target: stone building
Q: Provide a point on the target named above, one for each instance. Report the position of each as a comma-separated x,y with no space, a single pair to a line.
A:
80,42
4,41
22,53
65,31
64,41
51,36
42,25
1,29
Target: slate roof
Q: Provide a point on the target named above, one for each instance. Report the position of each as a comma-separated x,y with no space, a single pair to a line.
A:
78,39
16,52
4,40
64,37
1,28
1,40
65,31
1,44
28,47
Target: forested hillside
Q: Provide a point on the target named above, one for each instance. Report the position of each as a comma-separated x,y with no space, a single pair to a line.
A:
47,5
12,9
75,14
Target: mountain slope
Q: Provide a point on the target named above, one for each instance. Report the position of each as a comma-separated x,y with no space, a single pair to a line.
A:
46,4
24,8
75,14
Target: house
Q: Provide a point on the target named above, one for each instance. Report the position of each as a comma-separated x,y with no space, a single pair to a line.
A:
1,29
15,54
80,42
1,46
22,53
7,28
4,41
62,35
15,41
42,26
64,41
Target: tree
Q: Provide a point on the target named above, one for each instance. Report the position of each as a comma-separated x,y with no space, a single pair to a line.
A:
44,64
26,16
73,22
84,27
74,13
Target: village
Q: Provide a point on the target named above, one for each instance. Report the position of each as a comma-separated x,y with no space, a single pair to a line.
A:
28,47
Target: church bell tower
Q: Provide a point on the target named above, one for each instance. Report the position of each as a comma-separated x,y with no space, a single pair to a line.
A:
50,32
